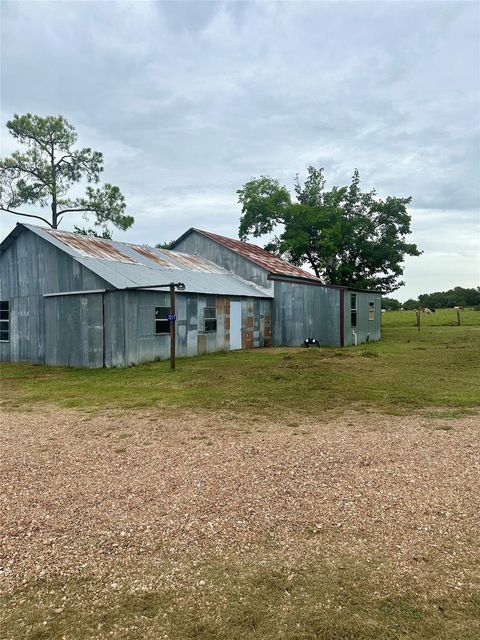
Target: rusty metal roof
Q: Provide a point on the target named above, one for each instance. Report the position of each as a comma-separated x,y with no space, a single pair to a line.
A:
92,247
260,256
146,252
125,265
195,262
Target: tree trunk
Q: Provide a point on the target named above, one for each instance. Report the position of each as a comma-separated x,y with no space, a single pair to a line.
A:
54,190
313,264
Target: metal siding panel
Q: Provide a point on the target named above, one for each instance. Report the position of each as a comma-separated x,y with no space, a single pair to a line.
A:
192,324
220,334
74,331
114,329
181,344
303,311
364,325
201,337
30,267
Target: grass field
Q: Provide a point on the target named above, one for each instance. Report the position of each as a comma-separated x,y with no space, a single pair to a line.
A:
286,494
406,371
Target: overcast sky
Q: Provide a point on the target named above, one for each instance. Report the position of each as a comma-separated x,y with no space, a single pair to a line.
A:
189,100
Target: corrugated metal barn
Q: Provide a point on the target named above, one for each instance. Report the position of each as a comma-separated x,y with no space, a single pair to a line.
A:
70,300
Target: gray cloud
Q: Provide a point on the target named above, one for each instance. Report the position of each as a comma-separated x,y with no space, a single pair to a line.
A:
188,100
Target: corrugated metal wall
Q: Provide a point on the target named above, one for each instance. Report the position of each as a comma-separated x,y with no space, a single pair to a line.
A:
366,329
75,327
74,331
142,345
303,311
44,269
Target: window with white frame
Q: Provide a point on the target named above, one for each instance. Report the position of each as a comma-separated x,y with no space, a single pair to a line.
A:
371,310
353,310
162,323
4,321
210,318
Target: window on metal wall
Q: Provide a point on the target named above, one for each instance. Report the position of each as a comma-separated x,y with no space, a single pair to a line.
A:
210,317
353,309
162,323
371,310
4,321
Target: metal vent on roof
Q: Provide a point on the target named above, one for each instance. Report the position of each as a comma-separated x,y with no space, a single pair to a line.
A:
92,247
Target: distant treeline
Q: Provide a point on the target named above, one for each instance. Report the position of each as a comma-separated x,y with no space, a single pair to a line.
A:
457,297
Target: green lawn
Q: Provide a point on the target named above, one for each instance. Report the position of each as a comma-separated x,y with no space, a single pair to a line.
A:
406,371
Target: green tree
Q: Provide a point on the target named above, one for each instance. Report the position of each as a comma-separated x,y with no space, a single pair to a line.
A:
458,296
390,304
348,237
104,234
44,173
410,304
165,245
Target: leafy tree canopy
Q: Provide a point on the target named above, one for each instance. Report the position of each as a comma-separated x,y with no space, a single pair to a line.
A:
458,296
390,304
348,237
165,245
43,174
410,304
104,234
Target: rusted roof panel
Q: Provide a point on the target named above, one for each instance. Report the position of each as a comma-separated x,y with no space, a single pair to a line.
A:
123,265
147,252
92,247
196,263
265,259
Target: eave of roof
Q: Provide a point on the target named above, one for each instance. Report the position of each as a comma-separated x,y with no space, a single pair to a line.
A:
14,233
321,284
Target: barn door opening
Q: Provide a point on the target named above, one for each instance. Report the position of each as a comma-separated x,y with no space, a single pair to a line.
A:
235,325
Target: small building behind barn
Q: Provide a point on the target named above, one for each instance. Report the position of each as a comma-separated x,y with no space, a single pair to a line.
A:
71,300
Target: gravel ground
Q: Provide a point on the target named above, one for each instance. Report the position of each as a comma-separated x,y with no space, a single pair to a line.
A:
91,493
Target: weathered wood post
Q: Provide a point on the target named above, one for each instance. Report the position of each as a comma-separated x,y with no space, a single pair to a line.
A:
458,317
418,318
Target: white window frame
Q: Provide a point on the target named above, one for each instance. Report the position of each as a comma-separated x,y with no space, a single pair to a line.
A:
353,309
209,319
